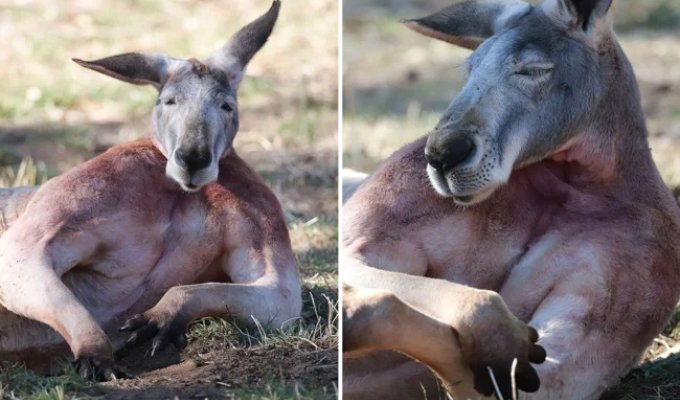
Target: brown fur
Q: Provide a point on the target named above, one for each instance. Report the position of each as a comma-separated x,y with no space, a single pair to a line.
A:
120,234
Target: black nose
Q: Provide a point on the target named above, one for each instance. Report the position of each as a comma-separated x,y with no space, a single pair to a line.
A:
451,155
193,159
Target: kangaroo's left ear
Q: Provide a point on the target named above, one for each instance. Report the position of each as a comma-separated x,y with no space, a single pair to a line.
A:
587,15
469,23
234,56
136,68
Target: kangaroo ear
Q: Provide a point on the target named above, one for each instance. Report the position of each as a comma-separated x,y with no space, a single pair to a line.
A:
140,69
469,23
234,56
578,14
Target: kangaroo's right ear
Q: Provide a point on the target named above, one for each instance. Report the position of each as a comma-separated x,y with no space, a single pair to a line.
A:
469,23
137,68
234,56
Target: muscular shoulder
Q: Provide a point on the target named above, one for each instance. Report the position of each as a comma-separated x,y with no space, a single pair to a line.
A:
123,161
120,163
101,182
402,172
397,195
240,193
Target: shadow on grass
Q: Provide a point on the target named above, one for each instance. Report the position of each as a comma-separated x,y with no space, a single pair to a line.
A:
317,260
657,380
62,146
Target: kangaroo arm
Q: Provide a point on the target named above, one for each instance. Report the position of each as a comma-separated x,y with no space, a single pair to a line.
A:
398,312
375,319
423,293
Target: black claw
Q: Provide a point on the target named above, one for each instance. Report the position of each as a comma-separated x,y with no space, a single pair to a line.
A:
110,375
533,335
133,323
537,354
482,381
91,368
132,339
180,341
157,345
526,377
83,368
144,328
142,334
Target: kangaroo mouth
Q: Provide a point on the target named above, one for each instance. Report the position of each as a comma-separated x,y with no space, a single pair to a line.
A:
191,182
465,190
475,198
190,187
463,199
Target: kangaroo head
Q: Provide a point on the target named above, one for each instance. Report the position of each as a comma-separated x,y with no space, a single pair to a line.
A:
535,79
195,117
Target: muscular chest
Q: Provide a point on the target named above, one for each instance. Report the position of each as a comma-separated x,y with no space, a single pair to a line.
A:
168,244
478,250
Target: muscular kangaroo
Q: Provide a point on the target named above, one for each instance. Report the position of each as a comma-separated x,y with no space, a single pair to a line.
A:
154,233
536,184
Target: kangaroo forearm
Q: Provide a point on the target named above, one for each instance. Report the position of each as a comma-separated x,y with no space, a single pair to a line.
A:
375,319
442,299
245,301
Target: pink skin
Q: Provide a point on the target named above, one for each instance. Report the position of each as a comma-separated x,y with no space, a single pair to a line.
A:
114,236
576,247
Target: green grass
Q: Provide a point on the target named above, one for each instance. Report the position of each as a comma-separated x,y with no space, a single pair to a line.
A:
319,322
16,382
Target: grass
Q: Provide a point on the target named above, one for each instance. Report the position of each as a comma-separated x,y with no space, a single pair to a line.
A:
19,383
316,330
27,173
652,381
22,384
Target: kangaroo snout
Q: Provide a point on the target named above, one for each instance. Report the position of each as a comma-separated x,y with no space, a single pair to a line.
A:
192,167
444,151
193,159
460,164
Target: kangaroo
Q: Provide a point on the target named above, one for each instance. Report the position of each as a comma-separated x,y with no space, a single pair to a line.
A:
151,234
534,200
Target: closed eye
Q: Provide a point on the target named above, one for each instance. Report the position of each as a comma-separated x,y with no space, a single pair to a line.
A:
538,70
227,107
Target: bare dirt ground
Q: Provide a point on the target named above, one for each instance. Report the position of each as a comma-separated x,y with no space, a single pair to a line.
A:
54,115
396,84
210,370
